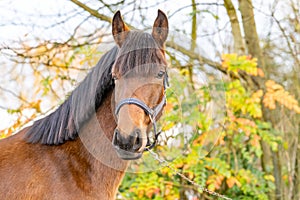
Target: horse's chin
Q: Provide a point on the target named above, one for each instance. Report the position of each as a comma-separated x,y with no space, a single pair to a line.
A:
127,155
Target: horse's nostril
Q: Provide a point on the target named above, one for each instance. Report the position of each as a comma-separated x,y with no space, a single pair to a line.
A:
138,140
132,143
116,137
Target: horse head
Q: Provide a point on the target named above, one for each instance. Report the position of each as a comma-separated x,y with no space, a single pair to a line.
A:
140,77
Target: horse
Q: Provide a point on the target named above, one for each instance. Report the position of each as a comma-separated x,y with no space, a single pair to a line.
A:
83,148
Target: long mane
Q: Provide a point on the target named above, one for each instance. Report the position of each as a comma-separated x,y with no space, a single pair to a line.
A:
139,54
64,123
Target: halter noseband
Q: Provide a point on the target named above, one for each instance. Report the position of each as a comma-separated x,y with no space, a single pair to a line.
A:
152,112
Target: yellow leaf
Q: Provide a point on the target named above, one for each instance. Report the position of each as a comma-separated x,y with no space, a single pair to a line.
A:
269,83
167,126
269,177
276,87
296,108
215,181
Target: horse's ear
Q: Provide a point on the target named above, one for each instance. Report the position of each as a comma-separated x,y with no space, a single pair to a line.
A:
160,28
119,29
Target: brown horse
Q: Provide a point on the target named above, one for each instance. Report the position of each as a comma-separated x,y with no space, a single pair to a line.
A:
81,150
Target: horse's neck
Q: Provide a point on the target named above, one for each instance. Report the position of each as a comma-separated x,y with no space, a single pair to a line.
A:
107,169
86,168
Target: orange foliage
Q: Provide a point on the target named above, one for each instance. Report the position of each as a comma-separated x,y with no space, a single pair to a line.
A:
231,181
276,93
214,181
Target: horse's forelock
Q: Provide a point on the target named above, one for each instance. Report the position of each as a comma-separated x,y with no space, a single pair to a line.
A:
139,53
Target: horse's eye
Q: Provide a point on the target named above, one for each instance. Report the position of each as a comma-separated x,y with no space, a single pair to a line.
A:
114,77
160,74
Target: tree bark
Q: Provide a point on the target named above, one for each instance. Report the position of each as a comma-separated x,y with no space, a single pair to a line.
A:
277,175
193,40
239,45
254,49
251,36
296,177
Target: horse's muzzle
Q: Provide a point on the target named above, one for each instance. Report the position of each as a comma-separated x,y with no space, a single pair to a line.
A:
128,147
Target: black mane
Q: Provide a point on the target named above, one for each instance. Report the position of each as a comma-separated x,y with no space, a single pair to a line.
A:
139,54
64,123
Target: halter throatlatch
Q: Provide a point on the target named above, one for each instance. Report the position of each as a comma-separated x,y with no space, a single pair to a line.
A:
151,112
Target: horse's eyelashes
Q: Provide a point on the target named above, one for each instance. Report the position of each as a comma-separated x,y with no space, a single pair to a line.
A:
160,74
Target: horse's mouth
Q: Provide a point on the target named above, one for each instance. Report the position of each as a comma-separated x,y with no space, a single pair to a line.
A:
127,155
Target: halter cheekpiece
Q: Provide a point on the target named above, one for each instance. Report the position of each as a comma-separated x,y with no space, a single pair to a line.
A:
151,112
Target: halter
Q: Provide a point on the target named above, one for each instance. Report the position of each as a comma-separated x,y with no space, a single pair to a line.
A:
152,112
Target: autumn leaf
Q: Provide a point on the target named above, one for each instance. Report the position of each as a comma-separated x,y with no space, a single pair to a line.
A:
234,63
231,181
276,93
215,181
255,140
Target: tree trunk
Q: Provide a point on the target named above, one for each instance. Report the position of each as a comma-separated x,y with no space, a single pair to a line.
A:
239,45
277,175
297,171
253,47
193,40
251,36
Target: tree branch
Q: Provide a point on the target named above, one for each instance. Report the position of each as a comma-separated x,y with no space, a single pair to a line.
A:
193,55
95,13
252,81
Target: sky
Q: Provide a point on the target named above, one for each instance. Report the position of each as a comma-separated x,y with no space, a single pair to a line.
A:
17,17
14,26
